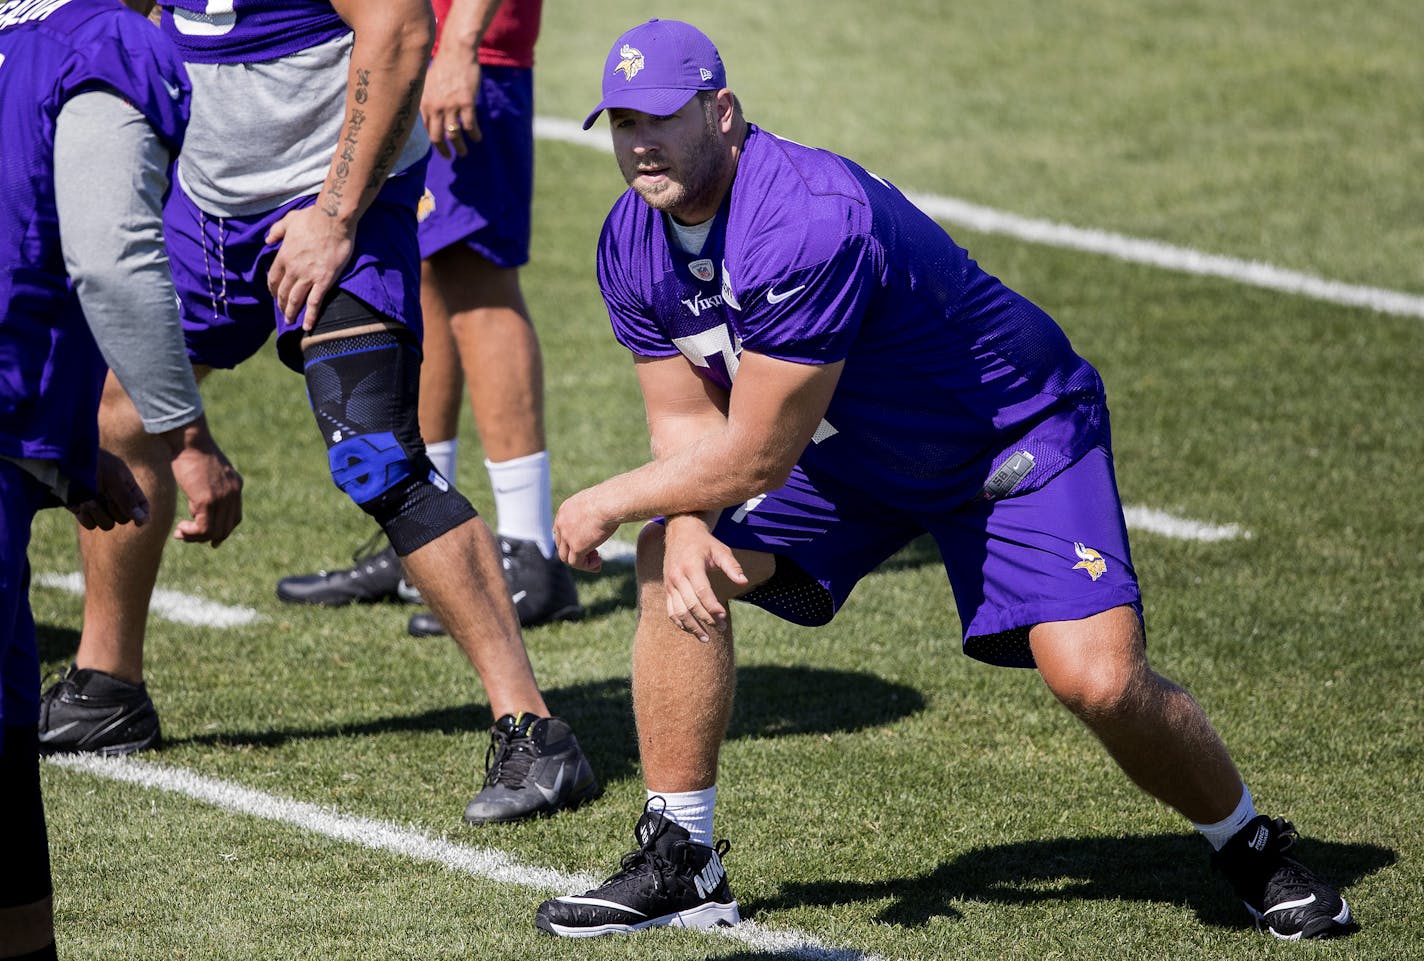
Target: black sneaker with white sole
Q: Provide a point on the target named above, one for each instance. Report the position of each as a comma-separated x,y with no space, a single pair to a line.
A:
669,880
375,576
542,589
91,712
1285,897
533,768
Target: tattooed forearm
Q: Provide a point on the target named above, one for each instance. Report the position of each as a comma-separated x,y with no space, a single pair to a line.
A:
399,132
336,192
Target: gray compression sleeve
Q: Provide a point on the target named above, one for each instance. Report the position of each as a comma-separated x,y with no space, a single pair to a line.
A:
110,175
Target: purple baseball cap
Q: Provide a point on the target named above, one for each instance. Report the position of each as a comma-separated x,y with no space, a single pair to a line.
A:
657,67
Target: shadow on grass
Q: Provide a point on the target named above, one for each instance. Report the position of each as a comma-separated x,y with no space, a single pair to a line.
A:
772,701
1161,868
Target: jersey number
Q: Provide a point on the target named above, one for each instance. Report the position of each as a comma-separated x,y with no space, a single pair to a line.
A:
704,345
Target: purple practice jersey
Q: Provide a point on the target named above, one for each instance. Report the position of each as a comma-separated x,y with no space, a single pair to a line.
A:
948,373
248,31
50,369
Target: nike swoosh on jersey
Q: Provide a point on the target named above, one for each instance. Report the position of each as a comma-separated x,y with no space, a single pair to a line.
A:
772,297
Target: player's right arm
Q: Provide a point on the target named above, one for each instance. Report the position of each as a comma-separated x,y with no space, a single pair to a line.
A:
452,86
111,173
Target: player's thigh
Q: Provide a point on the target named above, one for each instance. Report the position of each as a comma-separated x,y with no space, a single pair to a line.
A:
825,538
219,275
1059,553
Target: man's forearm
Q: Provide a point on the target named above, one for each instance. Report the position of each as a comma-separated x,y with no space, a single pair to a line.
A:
388,63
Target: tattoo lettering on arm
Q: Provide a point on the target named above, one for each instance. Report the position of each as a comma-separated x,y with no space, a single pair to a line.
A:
349,141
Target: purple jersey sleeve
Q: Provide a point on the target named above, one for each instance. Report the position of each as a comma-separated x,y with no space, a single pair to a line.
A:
626,242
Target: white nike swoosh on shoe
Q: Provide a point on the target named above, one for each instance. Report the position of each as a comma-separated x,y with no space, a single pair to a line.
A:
600,903
518,596
552,794
1287,905
56,732
772,297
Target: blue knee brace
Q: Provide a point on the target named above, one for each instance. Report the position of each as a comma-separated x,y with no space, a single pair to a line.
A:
364,392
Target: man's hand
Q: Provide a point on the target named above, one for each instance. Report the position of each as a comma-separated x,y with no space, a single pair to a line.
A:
447,107
579,527
690,552
315,249
118,500
208,480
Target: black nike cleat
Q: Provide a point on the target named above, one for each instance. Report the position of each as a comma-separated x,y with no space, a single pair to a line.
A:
376,576
91,712
667,881
533,768
1284,897
542,589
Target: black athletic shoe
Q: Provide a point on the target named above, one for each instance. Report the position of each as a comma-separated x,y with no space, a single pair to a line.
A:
1284,896
376,576
667,880
90,712
542,589
533,768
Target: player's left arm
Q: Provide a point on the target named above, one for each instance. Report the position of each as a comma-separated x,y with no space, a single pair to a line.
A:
389,56
773,410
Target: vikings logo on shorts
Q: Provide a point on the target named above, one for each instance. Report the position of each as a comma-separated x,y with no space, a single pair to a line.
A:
631,63
425,207
1090,561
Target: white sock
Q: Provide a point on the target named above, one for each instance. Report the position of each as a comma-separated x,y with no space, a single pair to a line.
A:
523,499
1219,833
690,810
442,455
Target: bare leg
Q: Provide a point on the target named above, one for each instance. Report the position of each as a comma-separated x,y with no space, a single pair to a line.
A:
482,307
442,384
121,565
682,687
1156,731
459,576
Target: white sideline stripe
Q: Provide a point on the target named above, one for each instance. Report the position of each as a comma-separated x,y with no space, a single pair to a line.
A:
174,606
1252,273
485,863
1182,528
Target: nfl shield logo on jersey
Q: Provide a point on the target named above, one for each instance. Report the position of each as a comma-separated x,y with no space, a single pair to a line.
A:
702,269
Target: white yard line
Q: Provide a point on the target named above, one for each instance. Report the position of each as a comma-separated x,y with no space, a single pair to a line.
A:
1117,246
484,863
170,605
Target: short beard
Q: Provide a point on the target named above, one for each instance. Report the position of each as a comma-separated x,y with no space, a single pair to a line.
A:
702,177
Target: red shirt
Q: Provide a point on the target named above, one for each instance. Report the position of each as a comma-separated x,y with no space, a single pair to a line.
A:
509,40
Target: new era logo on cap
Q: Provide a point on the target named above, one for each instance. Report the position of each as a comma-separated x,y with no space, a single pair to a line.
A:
657,67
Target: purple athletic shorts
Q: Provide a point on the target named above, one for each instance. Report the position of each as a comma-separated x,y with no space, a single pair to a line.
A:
220,272
20,497
483,198
1059,553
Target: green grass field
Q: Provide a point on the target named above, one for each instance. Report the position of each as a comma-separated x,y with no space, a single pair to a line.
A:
885,795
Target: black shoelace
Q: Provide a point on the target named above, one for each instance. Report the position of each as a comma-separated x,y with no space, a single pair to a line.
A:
508,759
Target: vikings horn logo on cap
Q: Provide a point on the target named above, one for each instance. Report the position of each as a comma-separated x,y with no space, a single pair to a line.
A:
631,63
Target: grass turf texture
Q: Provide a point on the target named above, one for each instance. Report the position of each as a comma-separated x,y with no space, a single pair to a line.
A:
883,792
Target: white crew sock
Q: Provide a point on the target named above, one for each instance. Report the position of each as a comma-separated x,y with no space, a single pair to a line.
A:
1219,833
690,810
442,455
523,499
